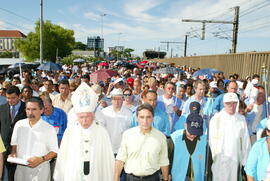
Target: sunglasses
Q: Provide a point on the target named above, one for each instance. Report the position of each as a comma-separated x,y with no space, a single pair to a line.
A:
126,95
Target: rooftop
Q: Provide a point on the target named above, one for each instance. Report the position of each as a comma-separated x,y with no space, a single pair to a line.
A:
11,34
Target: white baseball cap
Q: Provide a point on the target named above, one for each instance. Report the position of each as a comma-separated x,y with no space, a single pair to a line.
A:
213,85
230,97
117,92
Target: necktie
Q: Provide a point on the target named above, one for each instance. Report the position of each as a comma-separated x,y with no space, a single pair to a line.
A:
13,113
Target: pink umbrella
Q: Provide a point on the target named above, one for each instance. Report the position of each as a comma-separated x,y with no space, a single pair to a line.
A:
102,75
105,64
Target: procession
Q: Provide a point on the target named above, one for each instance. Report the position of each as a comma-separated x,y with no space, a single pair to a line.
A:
134,90
106,122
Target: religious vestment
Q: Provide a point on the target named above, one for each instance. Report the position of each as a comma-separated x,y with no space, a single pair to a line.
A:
229,143
80,146
181,157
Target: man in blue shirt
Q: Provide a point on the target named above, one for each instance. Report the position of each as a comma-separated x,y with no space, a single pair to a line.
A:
161,121
218,104
170,104
55,117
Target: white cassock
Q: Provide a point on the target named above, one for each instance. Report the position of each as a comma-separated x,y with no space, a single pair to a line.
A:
229,143
78,141
35,141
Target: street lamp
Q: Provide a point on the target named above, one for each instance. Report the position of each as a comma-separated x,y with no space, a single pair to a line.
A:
102,39
41,32
118,44
102,15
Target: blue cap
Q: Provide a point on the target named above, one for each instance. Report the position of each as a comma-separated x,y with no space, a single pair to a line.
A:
195,124
195,107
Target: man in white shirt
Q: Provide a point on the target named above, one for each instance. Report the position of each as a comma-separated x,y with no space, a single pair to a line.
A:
257,111
116,118
34,140
229,140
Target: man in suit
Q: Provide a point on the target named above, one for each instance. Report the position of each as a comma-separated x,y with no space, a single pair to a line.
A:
10,113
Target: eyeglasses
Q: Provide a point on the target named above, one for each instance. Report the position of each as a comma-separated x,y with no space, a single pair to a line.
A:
126,95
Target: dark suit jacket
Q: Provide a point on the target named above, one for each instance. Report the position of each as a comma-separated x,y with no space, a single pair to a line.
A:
6,125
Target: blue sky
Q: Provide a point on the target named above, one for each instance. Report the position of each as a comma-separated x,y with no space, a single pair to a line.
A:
143,24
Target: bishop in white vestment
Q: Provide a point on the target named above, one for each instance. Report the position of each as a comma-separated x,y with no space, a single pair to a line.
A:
86,152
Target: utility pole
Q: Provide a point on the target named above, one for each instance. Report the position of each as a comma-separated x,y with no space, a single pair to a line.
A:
118,46
235,24
170,42
41,32
56,57
185,50
235,29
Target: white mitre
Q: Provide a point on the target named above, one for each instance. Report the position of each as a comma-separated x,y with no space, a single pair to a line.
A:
84,99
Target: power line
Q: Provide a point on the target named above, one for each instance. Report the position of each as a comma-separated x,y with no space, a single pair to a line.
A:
256,8
18,26
10,12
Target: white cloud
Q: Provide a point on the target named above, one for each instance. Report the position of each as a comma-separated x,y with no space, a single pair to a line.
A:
138,9
2,24
62,24
92,16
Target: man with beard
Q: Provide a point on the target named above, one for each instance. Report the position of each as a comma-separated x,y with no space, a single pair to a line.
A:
34,140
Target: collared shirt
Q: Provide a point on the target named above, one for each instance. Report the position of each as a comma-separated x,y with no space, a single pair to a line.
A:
258,159
186,110
17,107
65,105
35,141
115,123
58,119
143,154
38,140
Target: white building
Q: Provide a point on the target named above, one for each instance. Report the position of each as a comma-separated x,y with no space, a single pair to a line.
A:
7,39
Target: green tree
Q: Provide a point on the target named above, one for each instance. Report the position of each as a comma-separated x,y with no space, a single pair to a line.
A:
150,54
6,54
80,46
54,37
127,52
115,53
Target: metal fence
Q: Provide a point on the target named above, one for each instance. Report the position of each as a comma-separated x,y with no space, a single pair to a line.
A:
244,64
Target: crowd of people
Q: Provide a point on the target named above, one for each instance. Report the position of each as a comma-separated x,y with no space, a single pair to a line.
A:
135,125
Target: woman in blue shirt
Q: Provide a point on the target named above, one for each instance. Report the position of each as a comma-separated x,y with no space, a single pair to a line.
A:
258,158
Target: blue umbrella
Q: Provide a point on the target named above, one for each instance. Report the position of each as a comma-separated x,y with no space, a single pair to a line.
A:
169,70
50,66
15,65
206,72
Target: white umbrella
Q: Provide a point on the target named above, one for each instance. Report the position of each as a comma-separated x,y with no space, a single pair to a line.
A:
79,60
